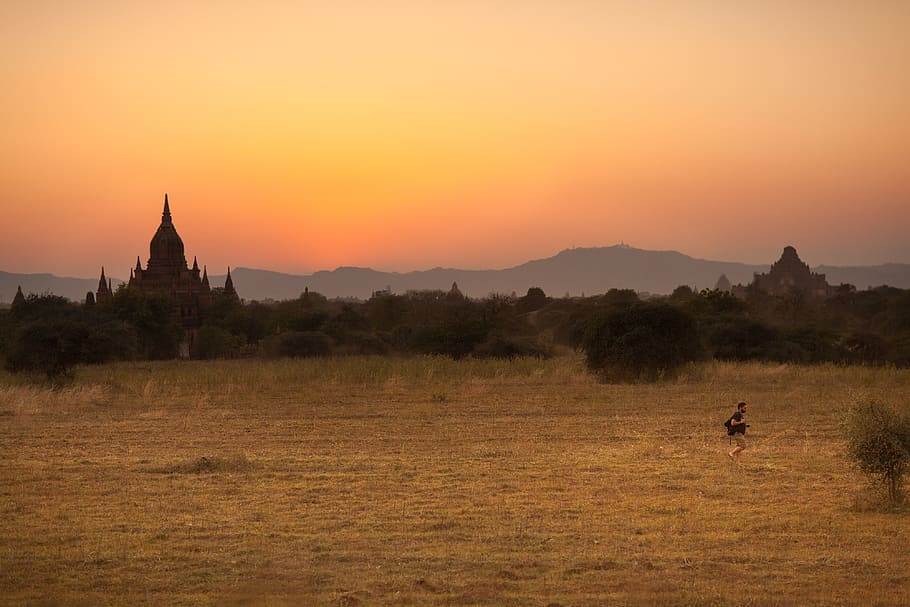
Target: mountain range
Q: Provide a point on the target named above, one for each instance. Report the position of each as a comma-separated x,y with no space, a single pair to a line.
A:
579,271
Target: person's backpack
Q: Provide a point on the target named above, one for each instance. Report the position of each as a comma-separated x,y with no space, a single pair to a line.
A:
729,426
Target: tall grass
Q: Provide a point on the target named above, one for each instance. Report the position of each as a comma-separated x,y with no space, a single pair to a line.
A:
275,376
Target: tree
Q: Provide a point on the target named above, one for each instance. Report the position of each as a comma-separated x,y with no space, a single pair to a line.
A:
498,345
47,335
49,346
534,300
878,438
153,316
711,304
8,327
682,293
386,311
641,342
460,327
43,306
298,344
214,342
743,339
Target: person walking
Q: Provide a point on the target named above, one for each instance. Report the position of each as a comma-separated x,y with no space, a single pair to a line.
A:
738,431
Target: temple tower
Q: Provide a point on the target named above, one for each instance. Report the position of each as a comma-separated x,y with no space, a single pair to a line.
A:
229,290
104,293
166,272
789,274
19,298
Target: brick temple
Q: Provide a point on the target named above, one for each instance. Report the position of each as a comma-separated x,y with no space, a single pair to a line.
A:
167,272
790,274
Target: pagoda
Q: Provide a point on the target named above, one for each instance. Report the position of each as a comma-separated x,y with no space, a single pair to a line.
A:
167,272
789,274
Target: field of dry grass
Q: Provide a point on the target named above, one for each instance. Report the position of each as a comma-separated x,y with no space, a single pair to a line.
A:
370,481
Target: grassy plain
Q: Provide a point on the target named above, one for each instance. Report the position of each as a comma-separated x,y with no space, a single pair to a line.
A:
370,481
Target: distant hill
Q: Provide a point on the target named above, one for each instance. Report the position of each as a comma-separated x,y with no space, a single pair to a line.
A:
71,288
574,271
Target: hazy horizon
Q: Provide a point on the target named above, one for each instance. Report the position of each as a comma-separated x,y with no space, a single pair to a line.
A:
112,271
299,137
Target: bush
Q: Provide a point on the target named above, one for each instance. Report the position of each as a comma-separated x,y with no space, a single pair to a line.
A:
644,341
158,332
454,339
362,343
534,300
7,328
808,345
900,350
304,344
214,342
111,340
878,438
864,348
743,339
51,347
459,330
502,346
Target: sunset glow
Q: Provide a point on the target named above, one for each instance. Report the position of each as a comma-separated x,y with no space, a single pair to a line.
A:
402,135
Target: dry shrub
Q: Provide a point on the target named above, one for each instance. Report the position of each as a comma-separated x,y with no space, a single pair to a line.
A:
878,439
209,465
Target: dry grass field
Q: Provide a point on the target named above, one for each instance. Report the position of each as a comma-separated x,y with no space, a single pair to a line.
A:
370,481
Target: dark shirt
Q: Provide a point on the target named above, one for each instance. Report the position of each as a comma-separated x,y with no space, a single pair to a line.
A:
741,428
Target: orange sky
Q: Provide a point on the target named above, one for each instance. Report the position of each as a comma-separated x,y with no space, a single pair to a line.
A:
301,136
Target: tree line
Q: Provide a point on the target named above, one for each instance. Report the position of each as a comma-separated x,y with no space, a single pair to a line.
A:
623,337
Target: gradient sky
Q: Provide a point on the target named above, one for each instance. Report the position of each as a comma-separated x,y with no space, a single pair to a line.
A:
300,136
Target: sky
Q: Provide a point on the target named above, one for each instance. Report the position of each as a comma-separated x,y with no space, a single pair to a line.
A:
303,136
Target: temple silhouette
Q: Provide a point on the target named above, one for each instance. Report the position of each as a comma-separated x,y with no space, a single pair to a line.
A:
167,272
788,275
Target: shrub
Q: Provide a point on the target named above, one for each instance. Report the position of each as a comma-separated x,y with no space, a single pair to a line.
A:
455,339
7,328
51,347
900,350
158,331
878,438
641,342
743,339
361,343
808,345
302,344
214,342
111,340
534,300
502,346
864,348
459,330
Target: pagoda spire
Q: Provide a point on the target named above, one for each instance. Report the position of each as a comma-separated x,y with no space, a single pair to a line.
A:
205,277
105,288
166,214
229,285
19,299
195,264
